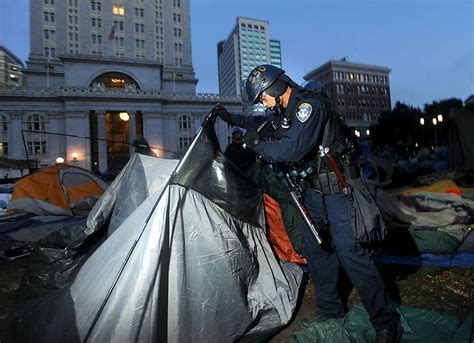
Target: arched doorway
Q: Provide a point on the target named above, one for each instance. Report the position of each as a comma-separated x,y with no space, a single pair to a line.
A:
114,79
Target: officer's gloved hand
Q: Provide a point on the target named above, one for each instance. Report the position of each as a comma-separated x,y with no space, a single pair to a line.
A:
251,138
222,112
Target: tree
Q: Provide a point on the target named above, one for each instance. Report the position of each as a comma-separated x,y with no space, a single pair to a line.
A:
400,126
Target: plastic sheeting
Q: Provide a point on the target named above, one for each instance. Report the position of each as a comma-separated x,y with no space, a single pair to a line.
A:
64,231
419,326
429,260
192,262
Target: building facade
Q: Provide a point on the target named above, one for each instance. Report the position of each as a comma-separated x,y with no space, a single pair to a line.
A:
11,66
89,94
359,92
247,46
151,38
275,53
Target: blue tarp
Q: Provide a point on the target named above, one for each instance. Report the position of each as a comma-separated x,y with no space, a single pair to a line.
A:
429,260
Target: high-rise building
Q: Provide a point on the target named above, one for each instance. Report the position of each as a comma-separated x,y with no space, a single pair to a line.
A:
357,91
147,37
247,46
275,53
11,66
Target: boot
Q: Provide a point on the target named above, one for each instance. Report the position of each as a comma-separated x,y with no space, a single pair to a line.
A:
391,335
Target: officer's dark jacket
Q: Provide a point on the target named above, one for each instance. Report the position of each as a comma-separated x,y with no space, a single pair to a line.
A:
300,142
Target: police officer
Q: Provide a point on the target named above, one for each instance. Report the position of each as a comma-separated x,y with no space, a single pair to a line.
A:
304,124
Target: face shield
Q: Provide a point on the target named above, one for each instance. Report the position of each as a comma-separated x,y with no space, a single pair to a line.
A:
247,106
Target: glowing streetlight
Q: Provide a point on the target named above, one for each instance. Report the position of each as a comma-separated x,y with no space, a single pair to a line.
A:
422,121
440,118
74,155
367,132
435,121
357,133
124,116
59,160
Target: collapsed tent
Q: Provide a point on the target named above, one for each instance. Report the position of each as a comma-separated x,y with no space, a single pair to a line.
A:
58,190
187,259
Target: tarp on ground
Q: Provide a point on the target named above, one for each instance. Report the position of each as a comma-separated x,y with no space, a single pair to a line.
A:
191,263
57,190
429,260
433,215
63,231
419,325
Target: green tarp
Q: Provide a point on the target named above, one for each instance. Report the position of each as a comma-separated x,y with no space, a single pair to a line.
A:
419,325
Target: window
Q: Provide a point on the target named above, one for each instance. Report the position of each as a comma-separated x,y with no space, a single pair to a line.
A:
36,140
3,136
185,131
118,10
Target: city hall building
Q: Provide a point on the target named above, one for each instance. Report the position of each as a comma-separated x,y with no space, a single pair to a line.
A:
100,74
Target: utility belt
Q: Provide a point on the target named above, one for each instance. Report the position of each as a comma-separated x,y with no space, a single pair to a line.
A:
325,181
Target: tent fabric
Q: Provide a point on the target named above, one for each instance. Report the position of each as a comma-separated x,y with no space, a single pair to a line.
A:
56,190
61,231
437,187
278,235
187,263
419,325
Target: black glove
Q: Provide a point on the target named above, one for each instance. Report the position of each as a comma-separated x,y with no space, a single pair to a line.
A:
222,112
251,138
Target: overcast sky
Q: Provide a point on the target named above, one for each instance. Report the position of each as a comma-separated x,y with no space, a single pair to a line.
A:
428,44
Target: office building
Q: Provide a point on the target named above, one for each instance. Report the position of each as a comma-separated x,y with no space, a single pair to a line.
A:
100,74
247,46
11,66
359,92
147,38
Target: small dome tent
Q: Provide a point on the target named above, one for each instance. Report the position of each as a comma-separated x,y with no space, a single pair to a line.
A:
56,190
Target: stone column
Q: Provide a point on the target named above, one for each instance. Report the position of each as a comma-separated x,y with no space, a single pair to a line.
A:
102,144
78,148
15,141
132,130
56,144
153,131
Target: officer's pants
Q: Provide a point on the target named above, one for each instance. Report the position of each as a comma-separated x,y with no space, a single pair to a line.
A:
348,254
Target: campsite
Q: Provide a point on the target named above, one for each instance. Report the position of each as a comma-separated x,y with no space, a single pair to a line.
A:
179,251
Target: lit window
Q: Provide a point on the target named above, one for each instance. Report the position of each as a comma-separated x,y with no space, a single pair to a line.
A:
36,139
118,10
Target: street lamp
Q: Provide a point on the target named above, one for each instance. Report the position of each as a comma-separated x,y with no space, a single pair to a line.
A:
435,122
422,123
440,118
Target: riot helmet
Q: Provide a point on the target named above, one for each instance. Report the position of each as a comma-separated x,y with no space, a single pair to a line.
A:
265,78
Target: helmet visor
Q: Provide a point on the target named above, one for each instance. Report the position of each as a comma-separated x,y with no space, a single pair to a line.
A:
248,106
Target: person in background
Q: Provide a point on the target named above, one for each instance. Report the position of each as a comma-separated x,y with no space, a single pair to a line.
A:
235,151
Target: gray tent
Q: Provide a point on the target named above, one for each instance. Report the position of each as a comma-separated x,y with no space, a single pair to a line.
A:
186,260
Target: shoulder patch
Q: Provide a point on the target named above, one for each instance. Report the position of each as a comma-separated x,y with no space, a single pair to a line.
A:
304,111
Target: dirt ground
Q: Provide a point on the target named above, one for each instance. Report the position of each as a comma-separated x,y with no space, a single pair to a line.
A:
449,291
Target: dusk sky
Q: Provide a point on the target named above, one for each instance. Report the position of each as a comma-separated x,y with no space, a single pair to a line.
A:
428,44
